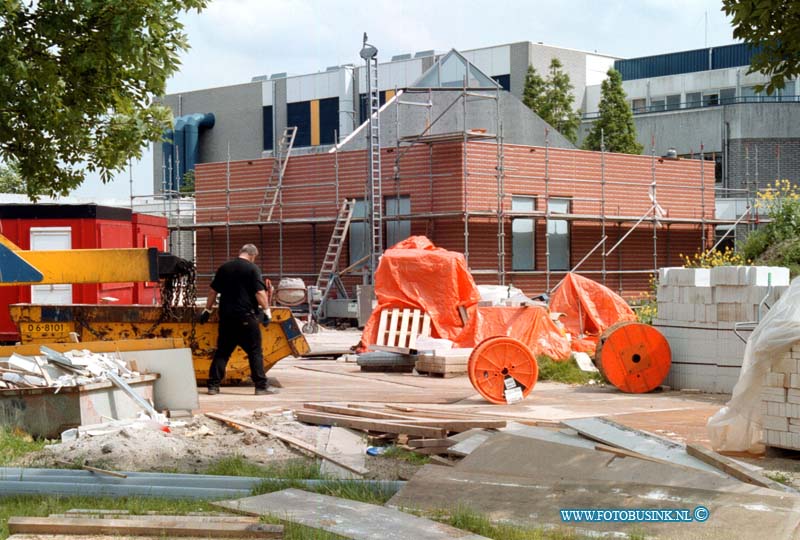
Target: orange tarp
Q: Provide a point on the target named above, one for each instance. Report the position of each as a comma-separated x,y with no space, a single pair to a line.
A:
531,325
416,274
589,309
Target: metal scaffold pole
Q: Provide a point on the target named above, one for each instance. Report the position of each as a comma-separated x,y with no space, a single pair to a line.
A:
547,208
702,198
655,205
375,198
603,199
228,203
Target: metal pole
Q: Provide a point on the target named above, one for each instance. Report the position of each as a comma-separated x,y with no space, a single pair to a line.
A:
228,203
702,197
603,199
501,234
466,172
655,206
547,208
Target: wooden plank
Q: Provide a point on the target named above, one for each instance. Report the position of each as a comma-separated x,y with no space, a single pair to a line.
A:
104,471
350,519
311,417
412,341
439,460
146,525
422,443
398,350
123,514
390,341
382,328
427,450
462,312
402,340
290,440
732,468
426,326
357,411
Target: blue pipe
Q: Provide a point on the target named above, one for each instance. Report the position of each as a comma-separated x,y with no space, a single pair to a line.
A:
194,122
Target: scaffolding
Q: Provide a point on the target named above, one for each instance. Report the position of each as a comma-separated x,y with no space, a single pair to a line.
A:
465,95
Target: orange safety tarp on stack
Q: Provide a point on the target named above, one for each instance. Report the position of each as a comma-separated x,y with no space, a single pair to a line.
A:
530,324
416,274
589,309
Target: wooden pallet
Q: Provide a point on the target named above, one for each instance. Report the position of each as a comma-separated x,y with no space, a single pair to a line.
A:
400,328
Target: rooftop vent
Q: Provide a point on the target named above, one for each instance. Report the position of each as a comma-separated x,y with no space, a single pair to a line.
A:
397,57
278,75
259,78
422,54
332,68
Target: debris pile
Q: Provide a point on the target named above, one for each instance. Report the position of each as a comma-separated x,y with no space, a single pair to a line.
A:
56,370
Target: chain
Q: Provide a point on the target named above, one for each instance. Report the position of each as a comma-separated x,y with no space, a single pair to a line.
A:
178,290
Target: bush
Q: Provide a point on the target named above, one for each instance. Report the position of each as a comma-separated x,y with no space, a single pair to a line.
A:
778,242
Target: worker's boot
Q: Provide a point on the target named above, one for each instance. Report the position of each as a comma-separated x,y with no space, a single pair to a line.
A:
262,391
213,390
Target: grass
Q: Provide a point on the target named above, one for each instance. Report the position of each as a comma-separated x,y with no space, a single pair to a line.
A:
15,444
565,372
287,469
781,478
395,452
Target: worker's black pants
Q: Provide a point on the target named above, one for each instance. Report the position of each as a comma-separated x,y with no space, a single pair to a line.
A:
247,335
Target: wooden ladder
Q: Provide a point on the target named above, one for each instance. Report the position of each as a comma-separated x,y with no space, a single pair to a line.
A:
331,261
275,181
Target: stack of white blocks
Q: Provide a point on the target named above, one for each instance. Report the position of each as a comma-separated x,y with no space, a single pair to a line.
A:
780,402
697,310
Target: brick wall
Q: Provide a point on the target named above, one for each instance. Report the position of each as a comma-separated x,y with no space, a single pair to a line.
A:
434,178
755,163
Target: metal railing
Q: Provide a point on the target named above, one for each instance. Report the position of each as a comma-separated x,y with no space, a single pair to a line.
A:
702,104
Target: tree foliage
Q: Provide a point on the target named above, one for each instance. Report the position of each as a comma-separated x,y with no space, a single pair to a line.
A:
614,124
10,179
552,99
78,80
773,27
777,243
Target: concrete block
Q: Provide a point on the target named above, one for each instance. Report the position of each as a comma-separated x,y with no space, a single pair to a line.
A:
664,276
731,294
777,423
795,353
778,395
793,410
794,380
667,293
775,380
794,428
760,275
711,313
730,349
696,295
728,275
692,277
792,396
772,438
776,409
786,365
730,312
763,407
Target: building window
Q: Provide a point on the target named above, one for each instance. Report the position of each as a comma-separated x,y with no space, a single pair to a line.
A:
673,102
299,115
359,232
504,81
558,231
658,104
749,94
710,99
523,237
397,231
693,99
638,105
266,126
727,96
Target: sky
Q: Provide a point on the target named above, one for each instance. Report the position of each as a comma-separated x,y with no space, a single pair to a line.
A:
235,40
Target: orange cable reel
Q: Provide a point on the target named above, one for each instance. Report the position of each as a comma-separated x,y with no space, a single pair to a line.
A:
503,370
634,357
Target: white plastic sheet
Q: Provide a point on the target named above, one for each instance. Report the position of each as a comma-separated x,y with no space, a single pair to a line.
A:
737,426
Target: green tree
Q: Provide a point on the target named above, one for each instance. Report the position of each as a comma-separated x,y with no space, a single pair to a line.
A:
187,186
78,80
552,99
773,27
615,122
533,92
10,179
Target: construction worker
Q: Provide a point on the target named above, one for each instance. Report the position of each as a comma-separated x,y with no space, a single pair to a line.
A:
243,306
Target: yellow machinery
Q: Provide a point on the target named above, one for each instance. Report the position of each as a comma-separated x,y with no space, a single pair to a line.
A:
44,324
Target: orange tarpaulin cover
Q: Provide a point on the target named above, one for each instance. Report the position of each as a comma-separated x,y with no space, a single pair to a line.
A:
531,325
416,274
589,309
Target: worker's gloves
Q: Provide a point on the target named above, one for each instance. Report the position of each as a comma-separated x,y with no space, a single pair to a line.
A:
266,316
205,316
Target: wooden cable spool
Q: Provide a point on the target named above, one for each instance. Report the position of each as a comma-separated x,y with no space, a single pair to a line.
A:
634,357
497,358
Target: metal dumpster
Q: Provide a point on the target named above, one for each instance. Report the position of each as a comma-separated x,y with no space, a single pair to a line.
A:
93,322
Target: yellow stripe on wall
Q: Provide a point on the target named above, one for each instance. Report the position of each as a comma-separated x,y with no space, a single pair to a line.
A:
315,122
389,94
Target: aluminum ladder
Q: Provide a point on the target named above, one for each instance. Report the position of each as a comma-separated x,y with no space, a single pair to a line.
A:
275,182
331,261
375,203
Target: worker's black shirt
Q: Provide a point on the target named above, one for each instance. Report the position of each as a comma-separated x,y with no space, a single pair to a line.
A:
237,282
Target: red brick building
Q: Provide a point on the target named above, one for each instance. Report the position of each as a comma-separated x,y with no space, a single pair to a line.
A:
452,190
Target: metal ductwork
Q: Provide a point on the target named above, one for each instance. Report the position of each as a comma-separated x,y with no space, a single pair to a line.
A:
181,149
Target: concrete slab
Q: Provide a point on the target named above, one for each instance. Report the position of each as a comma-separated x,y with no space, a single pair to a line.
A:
534,503
176,387
349,447
351,519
